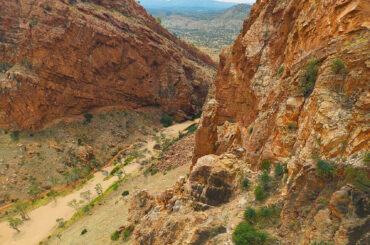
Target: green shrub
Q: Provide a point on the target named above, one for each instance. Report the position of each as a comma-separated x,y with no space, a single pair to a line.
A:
250,215
154,171
250,130
159,20
266,165
125,193
86,208
246,234
245,183
83,232
325,169
339,67
126,235
264,180
166,120
279,170
309,78
114,236
14,135
259,193
88,117
72,1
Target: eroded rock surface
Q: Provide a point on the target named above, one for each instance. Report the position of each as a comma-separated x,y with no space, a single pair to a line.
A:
65,59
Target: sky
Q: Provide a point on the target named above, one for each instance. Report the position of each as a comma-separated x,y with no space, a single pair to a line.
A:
238,1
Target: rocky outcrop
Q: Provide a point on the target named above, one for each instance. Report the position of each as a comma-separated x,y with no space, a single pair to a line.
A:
292,88
65,58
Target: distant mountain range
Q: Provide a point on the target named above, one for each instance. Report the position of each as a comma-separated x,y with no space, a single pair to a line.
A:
208,30
185,5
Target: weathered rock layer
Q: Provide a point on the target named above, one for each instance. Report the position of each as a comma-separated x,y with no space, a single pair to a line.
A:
65,58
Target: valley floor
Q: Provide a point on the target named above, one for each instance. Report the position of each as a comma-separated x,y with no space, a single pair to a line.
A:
109,214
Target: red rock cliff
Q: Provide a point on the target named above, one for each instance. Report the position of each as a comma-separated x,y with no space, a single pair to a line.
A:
64,59
292,89
259,84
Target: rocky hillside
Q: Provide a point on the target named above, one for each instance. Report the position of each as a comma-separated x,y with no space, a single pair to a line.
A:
282,153
65,57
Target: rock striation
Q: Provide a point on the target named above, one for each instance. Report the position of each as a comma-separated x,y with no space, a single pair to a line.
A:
62,58
293,88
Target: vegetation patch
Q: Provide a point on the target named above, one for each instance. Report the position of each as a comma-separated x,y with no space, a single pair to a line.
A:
325,169
339,67
247,234
166,120
308,80
266,165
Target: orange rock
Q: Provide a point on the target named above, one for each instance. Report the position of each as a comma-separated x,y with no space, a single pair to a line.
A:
71,59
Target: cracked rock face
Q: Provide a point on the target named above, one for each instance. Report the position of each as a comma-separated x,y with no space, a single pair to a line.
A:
65,60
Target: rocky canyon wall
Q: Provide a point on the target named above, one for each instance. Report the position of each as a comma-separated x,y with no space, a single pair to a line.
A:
62,58
292,89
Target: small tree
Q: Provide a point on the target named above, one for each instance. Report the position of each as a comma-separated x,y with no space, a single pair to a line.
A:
86,195
74,204
159,20
22,209
99,189
339,67
15,223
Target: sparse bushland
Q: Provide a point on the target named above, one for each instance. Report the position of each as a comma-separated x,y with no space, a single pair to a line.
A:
308,80
325,169
339,67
